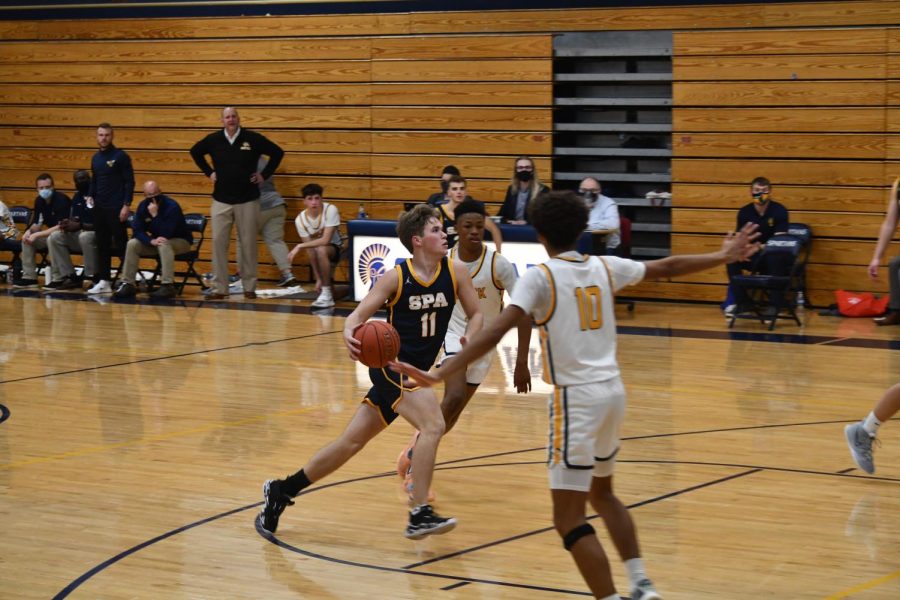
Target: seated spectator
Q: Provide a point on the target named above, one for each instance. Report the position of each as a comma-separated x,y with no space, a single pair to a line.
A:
75,234
9,233
442,197
50,207
524,187
318,227
159,230
604,215
272,212
771,217
457,194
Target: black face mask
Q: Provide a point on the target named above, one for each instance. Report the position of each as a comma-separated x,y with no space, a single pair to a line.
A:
154,199
445,185
83,186
590,197
524,176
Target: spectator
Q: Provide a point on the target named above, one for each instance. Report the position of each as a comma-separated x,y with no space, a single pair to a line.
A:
442,197
523,188
50,207
318,227
235,154
771,217
9,234
884,238
75,234
457,194
604,215
159,230
112,189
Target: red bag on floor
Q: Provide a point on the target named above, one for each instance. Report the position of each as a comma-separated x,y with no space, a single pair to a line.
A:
860,304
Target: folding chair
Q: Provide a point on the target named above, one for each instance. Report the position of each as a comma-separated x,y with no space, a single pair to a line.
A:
769,293
804,233
196,223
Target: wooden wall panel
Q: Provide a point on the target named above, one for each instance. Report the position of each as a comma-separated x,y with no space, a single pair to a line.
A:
805,172
780,93
475,119
776,67
463,94
779,120
817,198
514,70
788,41
450,142
461,47
774,145
823,224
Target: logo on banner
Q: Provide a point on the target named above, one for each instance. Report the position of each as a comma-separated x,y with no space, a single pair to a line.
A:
372,263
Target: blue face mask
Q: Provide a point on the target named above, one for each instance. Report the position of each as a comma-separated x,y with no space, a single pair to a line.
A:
45,193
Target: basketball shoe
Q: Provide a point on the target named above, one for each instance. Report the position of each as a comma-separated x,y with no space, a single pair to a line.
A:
275,503
644,590
860,443
424,521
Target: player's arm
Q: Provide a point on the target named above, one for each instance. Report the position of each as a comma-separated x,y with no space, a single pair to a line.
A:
323,240
735,248
383,289
886,233
522,374
479,345
495,232
468,297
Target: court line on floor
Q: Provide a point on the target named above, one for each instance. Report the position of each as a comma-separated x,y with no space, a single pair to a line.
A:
862,587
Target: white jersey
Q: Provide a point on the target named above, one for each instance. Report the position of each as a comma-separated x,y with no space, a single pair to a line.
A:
571,299
313,227
491,274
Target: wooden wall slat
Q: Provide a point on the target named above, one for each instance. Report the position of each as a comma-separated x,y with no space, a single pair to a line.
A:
780,120
453,118
807,172
513,70
424,166
294,140
463,46
789,41
419,189
169,50
817,198
788,67
450,142
207,117
774,145
780,93
337,71
462,94
823,224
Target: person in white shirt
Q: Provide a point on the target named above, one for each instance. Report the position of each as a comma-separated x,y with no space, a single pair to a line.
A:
318,227
571,298
604,212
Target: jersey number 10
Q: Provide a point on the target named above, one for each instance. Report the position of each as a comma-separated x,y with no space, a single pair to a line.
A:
589,309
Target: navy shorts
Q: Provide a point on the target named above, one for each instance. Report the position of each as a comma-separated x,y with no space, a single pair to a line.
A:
386,393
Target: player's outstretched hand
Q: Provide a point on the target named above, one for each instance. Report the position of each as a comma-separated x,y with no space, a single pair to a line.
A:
522,377
416,374
742,245
353,345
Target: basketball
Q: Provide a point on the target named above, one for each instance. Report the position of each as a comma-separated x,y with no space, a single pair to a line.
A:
379,343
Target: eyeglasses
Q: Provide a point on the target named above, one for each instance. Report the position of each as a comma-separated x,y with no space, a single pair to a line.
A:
524,168
586,190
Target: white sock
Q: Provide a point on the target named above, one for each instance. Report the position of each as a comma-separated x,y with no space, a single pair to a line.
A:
635,568
326,290
871,424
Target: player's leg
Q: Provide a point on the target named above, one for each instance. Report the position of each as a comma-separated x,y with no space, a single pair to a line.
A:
456,396
861,436
365,424
421,409
580,539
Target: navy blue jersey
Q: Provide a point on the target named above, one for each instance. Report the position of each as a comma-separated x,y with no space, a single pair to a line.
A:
448,223
420,312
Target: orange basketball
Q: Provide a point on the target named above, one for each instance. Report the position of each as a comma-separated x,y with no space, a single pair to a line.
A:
379,343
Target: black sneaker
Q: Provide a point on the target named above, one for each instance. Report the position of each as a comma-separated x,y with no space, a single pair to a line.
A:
70,282
287,281
125,290
276,502
166,290
24,284
424,521
54,285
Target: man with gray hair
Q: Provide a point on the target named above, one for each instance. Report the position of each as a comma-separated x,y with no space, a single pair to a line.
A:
235,154
604,213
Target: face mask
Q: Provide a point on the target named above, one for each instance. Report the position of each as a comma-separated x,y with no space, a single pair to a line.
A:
445,185
45,193
154,199
524,176
761,197
83,186
590,197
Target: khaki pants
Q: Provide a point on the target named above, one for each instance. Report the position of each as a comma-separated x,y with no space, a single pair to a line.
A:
29,266
246,218
135,249
63,243
271,228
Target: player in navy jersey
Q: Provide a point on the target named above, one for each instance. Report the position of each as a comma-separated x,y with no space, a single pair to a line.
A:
420,295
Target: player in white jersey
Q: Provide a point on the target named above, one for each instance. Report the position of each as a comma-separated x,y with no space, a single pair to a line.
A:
492,274
571,298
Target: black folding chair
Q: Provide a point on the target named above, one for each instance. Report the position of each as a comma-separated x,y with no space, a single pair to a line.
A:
804,233
196,223
770,292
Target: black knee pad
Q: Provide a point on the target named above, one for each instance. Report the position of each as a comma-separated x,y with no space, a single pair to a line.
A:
576,534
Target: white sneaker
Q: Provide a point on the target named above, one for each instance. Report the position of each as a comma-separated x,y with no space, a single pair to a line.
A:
101,287
730,309
236,288
325,299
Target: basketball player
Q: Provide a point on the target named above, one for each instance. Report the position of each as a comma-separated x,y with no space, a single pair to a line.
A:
571,299
420,295
861,436
456,192
491,274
